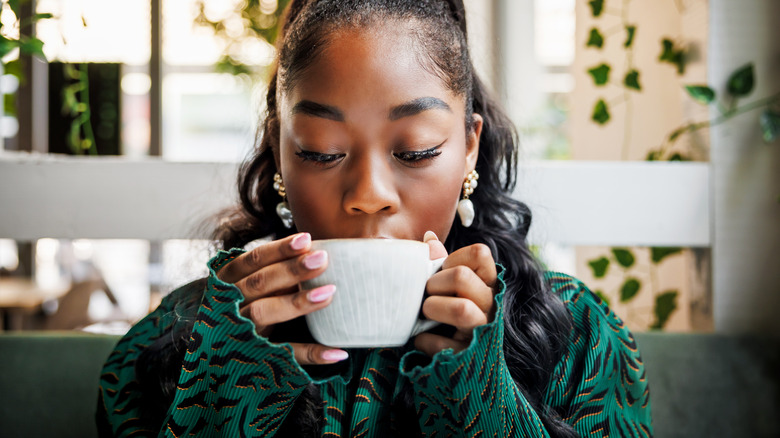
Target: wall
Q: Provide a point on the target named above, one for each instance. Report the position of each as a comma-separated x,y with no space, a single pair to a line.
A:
746,173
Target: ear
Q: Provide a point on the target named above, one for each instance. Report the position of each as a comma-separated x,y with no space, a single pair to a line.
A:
472,143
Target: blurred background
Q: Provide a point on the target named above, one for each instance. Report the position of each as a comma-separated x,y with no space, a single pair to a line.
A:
650,125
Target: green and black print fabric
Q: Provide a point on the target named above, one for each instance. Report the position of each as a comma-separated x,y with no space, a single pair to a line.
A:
234,382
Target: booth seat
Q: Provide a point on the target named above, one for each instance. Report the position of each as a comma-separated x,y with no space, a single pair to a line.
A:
701,385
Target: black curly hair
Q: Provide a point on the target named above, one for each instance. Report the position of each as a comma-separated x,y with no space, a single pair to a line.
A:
536,323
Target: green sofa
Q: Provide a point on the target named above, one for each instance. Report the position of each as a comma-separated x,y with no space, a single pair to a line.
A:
701,385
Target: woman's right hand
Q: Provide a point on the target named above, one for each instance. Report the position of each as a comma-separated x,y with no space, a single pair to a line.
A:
268,277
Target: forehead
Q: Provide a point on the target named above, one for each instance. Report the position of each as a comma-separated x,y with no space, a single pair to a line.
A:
380,64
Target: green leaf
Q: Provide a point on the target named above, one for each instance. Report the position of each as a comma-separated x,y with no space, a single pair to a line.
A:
629,289
599,266
665,304
71,72
658,253
632,80
701,93
600,74
652,156
672,55
15,68
595,39
43,16
667,50
9,104
601,296
624,257
600,112
770,125
15,6
630,31
7,46
32,46
741,81
678,157
596,7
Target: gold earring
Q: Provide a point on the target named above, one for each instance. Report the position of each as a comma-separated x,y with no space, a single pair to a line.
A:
465,206
282,208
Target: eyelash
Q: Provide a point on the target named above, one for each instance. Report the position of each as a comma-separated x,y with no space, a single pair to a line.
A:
318,158
408,157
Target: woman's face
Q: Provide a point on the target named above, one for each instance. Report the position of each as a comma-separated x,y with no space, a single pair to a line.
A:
372,144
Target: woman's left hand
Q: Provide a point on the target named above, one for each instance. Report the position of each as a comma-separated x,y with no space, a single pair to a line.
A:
461,295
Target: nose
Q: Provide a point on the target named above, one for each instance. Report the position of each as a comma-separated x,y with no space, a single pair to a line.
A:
371,187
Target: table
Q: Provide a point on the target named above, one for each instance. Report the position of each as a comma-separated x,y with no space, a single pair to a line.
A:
20,296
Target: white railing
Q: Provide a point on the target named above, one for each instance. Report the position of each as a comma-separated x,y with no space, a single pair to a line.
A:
574,203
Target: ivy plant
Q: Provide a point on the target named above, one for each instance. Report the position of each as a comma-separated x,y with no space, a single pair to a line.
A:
622,260
597,39
75,103
740,84
17,36
14,36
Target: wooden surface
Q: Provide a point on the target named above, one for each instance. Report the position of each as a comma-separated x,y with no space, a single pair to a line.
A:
20,296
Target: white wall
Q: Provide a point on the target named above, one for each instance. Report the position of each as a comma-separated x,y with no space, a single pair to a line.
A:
746,173
574,203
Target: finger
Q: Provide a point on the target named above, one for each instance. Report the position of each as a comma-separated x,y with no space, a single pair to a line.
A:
478,258
316,354
265,255
431,344
269,280
437,248
462,282
273,310
461,313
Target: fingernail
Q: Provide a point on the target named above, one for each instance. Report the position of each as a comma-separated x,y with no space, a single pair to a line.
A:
315,260
300,241
334,355
321,293
430,235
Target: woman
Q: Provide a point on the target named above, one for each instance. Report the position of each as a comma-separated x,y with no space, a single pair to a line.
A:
377,126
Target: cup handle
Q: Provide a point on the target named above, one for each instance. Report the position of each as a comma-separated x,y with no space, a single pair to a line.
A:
423,325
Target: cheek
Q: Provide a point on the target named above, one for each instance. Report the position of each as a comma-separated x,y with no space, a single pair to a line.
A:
313,209
433,203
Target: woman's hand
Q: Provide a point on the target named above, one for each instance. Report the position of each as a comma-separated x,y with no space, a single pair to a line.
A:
268,277
461,295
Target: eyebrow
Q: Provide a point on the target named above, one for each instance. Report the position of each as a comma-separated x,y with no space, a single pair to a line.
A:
407,109
417,106
318,110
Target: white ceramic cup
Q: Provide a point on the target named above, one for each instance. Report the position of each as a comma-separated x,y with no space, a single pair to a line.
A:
379,292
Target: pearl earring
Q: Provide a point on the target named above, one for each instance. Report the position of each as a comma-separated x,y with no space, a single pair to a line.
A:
282,208
465,206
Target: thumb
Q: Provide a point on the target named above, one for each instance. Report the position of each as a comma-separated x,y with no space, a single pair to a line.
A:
436,247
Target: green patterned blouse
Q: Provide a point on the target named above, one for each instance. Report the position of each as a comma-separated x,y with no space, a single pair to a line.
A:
234,382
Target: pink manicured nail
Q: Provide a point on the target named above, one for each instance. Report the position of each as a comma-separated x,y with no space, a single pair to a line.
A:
430,235
300,241
315,260
321,293
334,355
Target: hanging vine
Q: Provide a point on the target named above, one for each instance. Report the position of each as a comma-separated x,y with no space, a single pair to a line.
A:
739,85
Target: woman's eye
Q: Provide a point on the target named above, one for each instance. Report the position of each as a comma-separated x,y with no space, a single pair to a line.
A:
318,157
418,156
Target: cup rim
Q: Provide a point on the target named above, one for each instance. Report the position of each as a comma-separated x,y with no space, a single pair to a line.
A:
381,241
